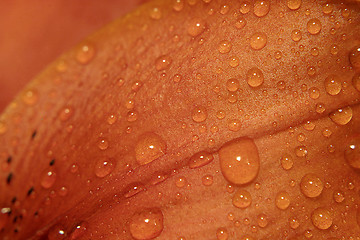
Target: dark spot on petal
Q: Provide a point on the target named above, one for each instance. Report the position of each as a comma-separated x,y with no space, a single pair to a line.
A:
13,200
9,159
33,134
9,178
16,230
36,213
52,162
15,219
31,190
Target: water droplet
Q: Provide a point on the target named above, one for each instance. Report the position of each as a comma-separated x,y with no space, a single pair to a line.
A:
222,234
261,7
338,196
321,218
262,220
63,191
286,162
282,200
352,154
199,114
85,53
133,189
178,5
356,81
334,49
207,180
79,231
311,71
245,7
149,148
311,185
196,27
328,8
132,116
155,13
301,151
3,128
30,97
200,159
294,223
103,144
224,46
293,4
180,182
234,125
314,93
309,126
314,26
296,35
163,62
48,179
278,55
332,85
242,199
341,116
146,224
104,166
258,40
320,108
314,51
354,57
254,77
232,85
57,232
66,113
239,161
220,114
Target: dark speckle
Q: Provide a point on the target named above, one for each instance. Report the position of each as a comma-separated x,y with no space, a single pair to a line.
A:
9,178
15,219
33,134
13,200
52,162
30,191
16,230
9,159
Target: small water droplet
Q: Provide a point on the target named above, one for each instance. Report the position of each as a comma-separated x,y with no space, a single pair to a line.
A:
222,234
111,119
232,85
224,46
200,159
245,7
278,55
220,114
133,189
261,7
338,196
296,35
262,220
178,5
196,27
314,26
354,57
311,71
311,185
234,125
199,114
3,128
293,4
163,62
57,232
282,200
85,53
48,179
314,51
321,218
66,113
242,199
79,231
240,23
207,180
103,144
132,116
334,49
301,151
341,116
314,92
149,147
254,77
104,166
155,13
332,85
239,161
30,97
352,154
146,224
320,108
309,126
328,8
258,40
286,162
294,223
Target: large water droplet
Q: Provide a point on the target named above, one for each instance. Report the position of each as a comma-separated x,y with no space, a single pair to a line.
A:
341,116
104,166
196,27
352,154
258,40
239,161
199,114
200,159
242,199
146,224
314,26
163,62
321,218
261,7
293,4
311,185
332,85
254,77
149,148
354,57
282,200
85,53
